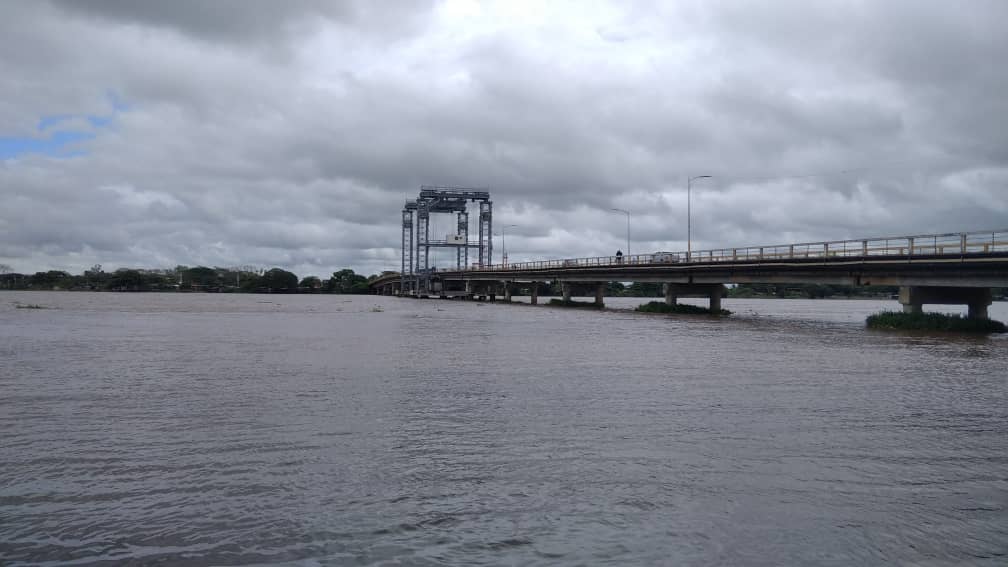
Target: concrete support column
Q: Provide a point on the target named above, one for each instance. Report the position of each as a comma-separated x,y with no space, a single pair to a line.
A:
715,301
910,299
507,292
599,294
978,310
670,294
566,287
535,293
712,292
976,298
913,308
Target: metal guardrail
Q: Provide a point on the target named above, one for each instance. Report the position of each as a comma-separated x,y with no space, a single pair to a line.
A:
951,244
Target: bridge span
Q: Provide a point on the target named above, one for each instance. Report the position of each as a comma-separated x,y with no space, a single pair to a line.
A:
951,268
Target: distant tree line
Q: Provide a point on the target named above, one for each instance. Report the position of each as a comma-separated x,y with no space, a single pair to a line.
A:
187,279
276,280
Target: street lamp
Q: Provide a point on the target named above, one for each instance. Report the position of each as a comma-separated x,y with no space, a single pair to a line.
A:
627,213
503,249
689,215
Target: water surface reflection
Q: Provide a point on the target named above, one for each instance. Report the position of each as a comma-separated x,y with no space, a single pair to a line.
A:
216,429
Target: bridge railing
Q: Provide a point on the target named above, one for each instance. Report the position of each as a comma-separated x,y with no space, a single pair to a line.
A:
949,244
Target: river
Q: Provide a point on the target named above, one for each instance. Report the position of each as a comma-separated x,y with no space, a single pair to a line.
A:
195,429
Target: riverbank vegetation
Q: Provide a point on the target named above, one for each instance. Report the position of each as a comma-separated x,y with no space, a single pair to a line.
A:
896,320
678,309
186,279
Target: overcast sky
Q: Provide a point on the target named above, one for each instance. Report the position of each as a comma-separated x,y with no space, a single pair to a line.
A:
289,133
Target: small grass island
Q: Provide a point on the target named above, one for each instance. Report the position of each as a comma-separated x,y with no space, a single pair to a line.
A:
678,309
896,320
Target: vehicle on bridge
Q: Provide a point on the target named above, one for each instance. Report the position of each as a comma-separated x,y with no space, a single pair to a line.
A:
665,258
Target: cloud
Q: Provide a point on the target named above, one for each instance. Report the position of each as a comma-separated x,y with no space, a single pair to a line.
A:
246,22
290,133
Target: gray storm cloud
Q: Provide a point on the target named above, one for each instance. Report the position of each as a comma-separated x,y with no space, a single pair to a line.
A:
289,133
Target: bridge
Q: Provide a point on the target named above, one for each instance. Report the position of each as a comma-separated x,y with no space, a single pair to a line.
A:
951,268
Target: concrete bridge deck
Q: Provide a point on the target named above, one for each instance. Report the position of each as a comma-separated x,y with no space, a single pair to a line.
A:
937,268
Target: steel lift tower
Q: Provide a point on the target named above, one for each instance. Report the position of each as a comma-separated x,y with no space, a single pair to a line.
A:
416,269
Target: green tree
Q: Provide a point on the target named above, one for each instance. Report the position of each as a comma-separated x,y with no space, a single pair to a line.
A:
157,279
310,283
201,276
50,279
95,277
645,289
346,281
252,282
279,281
126,280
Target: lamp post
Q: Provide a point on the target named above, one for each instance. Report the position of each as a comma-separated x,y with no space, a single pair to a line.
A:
689,215
627,213
503,248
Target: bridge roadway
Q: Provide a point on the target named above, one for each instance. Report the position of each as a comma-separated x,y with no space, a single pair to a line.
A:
954,268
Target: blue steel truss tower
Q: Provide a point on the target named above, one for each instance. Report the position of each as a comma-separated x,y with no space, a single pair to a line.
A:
406,279
486,233
416,269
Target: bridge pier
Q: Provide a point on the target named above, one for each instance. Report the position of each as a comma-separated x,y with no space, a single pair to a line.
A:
535,293
978,299
600,293
566,288
670,296
712,292
507,292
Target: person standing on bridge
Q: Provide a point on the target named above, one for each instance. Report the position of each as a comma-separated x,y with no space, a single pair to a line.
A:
619,256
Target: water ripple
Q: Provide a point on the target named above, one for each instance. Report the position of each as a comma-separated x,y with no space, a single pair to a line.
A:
197,429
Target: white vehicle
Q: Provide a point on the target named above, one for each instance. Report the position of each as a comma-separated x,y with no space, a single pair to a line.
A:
665,258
